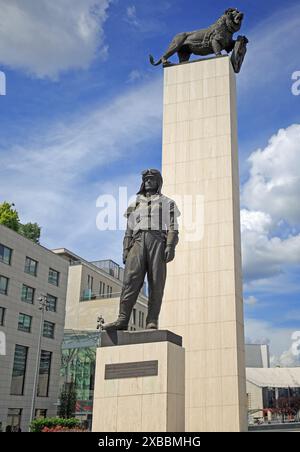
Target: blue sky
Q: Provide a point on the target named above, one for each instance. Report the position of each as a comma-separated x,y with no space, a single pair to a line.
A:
83,115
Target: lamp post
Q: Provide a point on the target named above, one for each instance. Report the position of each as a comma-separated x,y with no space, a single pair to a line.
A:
100,323
43,306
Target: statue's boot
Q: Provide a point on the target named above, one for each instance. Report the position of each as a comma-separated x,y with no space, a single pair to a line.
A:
152,326
118,325
121,324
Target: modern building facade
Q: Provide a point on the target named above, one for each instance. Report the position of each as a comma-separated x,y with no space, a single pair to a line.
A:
257,355
273,394
78,369
94,290
31,345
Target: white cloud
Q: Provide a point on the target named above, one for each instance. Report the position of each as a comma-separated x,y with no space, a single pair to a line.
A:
265,256
287,359
131,15
271,198
279,340
135,75
251,301
149,23
274,183
259,222
46,37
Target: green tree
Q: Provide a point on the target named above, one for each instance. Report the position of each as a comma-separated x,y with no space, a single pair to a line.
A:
9,216
31,231
68,398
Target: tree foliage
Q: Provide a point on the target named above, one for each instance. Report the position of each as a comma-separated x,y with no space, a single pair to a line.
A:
9,217
31,231
68,398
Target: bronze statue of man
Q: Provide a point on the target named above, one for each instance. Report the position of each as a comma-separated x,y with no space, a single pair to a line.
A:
149,244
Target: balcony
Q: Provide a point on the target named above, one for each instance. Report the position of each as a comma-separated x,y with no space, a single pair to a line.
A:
88,295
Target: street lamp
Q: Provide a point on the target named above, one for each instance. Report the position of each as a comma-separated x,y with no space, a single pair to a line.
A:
100,323
43,306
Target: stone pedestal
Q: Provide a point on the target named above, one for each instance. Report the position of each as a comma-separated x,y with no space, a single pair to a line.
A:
139,383
203,297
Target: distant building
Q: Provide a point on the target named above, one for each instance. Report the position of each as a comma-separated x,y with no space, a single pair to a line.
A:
28,270
257,355
273,394
94,289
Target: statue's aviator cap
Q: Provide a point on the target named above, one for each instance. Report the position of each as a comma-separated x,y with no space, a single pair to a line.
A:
150,173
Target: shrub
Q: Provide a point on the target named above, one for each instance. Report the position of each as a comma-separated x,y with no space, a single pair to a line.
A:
52,422
59,429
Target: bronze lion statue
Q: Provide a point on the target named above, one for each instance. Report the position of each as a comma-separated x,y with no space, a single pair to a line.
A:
213,39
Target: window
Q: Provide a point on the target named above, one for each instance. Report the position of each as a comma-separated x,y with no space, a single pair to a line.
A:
48,330
40,413
134,316
101,288
5,254
2,316
19,370
27,294
14,419
90,282
24,323
141,319
31,266
3,285
44,374
109,291
51,303
53,277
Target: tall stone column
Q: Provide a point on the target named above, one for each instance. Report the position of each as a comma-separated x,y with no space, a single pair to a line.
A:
203,296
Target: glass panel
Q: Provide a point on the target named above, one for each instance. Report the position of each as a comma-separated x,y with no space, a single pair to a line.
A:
27,294
3,285
53,277
19,370
48,329
51,303
5,254
44,374
31,266
78,366
24,323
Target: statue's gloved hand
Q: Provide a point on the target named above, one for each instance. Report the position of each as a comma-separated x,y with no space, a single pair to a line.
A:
169,253
125,254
